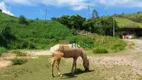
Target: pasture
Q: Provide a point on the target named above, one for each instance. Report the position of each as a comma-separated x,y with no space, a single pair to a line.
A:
124,65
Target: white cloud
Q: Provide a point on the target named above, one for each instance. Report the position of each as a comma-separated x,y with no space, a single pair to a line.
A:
73,4
79,4
4,9
26,2
122,3
80,7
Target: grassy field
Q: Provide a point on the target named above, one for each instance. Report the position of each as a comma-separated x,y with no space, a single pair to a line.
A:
124,22
124,65
100,69
39,69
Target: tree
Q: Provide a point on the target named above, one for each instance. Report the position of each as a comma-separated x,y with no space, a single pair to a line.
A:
95,14
22,20
64,20
77,21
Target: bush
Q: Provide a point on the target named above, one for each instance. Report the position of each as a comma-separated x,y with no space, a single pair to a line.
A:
19,53
118,47
2,50
18,61
100,50
22,20
28,45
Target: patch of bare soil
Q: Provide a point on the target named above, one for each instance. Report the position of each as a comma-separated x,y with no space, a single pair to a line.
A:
121,67
38,52
5,60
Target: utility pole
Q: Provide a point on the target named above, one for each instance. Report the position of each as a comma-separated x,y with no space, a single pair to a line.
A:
113,27
45,14
88,11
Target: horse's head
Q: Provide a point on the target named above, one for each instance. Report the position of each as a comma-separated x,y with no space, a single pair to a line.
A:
86,65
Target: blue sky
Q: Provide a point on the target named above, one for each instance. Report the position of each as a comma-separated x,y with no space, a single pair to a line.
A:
55,8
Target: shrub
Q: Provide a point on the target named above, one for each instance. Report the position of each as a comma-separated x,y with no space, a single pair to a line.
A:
100,50
28,45
118,47
18,61
19,53
2,50
22,20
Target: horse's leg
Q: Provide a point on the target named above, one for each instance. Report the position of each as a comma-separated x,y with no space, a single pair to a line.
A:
52,66
57,66
73,65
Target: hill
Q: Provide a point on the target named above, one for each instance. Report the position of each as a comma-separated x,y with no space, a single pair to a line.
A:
133,20
136,17
124,22
35,32
40,34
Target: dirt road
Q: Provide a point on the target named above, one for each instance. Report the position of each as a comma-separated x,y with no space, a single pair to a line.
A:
126,65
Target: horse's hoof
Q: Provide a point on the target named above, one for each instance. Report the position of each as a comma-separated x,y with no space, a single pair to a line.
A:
53,76
61,75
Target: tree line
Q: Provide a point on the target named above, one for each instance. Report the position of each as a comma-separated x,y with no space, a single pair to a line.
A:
99,25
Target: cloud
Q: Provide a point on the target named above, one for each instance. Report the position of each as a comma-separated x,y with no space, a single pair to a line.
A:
4,9
79,4
72,4
122,3
80,7
23,2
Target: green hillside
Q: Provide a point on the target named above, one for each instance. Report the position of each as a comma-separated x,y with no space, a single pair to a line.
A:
133,20
33,33
40,34
123,22
136,17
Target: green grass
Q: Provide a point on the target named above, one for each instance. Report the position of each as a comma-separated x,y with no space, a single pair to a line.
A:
19,53
37,34
100,50
2,50
39,69
123,22
18,61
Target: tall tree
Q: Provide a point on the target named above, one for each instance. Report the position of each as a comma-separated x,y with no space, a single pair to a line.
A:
95,14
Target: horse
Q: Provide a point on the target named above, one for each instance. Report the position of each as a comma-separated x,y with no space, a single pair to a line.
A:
67,51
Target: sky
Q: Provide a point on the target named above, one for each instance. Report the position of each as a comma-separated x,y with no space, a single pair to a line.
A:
33,9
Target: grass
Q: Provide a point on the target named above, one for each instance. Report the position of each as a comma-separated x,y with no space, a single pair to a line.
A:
39,69
19,53
123,22
18,61
100,50
37,34
2,50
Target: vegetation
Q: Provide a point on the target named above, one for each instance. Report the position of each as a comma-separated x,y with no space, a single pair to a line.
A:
40,34
18,61
124,22
19,53
136,17
39,69
94,41
2,50
22,20
100,50
37,34
103,26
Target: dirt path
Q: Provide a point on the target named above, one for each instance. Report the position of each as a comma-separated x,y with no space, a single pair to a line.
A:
121,67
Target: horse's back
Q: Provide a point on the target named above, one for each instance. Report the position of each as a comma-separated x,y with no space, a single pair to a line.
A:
73,52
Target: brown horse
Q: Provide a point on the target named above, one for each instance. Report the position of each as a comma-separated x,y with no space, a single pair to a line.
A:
67,51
